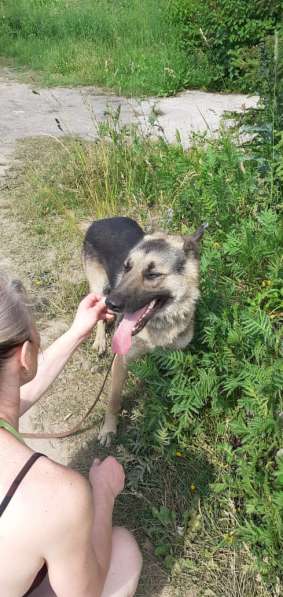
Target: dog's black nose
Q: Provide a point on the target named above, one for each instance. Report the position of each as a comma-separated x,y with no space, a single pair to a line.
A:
114,304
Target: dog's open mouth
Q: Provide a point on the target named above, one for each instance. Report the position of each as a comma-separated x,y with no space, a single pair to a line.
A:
132,324
147,314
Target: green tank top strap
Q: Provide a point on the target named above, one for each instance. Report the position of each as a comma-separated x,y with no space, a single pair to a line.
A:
8,427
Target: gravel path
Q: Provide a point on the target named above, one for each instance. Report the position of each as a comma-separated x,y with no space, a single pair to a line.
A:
27,111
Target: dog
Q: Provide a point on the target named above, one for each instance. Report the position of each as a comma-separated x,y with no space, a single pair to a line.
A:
152,281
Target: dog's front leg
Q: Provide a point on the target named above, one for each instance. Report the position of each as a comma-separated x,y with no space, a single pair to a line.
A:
100,339
119,374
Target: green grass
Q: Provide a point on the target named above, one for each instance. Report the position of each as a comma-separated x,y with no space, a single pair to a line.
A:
140,48
128,46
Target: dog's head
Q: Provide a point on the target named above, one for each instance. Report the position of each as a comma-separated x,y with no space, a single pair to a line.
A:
159,275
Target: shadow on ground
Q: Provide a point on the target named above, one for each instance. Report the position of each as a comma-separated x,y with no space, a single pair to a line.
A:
159,504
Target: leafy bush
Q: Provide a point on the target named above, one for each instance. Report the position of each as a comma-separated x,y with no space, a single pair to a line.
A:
226,388
223,37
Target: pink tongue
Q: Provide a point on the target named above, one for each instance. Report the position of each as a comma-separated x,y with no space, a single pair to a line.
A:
122,338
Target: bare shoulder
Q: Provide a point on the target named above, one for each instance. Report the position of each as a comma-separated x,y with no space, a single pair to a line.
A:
61,493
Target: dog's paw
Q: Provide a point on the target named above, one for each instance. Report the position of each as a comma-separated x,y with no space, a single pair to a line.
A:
99,345
108,430
105,438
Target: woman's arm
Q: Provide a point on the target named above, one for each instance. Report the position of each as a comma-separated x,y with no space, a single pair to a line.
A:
79,548
107,479
53,359
50,364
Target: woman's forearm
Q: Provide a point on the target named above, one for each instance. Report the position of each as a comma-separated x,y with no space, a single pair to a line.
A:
90,310
50,365
102,530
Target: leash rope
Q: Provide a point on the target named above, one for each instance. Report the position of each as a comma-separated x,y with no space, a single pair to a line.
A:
76,428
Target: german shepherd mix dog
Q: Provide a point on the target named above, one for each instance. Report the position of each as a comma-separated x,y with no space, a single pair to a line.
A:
152,281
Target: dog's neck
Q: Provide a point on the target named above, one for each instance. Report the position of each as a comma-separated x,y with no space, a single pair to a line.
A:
180,320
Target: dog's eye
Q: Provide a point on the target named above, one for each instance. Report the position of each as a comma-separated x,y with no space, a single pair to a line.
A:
127,266
151,275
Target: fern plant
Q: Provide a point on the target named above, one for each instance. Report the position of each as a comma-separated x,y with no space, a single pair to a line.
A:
224,391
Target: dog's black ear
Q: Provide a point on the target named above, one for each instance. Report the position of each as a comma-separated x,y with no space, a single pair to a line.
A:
191,243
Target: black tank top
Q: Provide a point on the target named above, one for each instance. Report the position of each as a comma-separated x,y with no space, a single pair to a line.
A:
5,502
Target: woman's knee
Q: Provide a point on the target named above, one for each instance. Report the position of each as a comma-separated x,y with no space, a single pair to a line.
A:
125,567
124,542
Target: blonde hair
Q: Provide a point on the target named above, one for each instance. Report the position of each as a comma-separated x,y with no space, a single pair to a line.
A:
15,316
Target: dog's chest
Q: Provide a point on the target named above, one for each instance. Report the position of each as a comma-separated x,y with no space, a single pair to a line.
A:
151,338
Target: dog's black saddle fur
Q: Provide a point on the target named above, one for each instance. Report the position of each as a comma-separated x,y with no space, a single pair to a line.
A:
110,240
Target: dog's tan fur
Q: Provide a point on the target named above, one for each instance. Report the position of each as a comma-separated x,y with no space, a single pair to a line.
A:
172,327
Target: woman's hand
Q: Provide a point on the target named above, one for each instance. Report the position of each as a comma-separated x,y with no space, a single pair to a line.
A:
90,310
107,477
